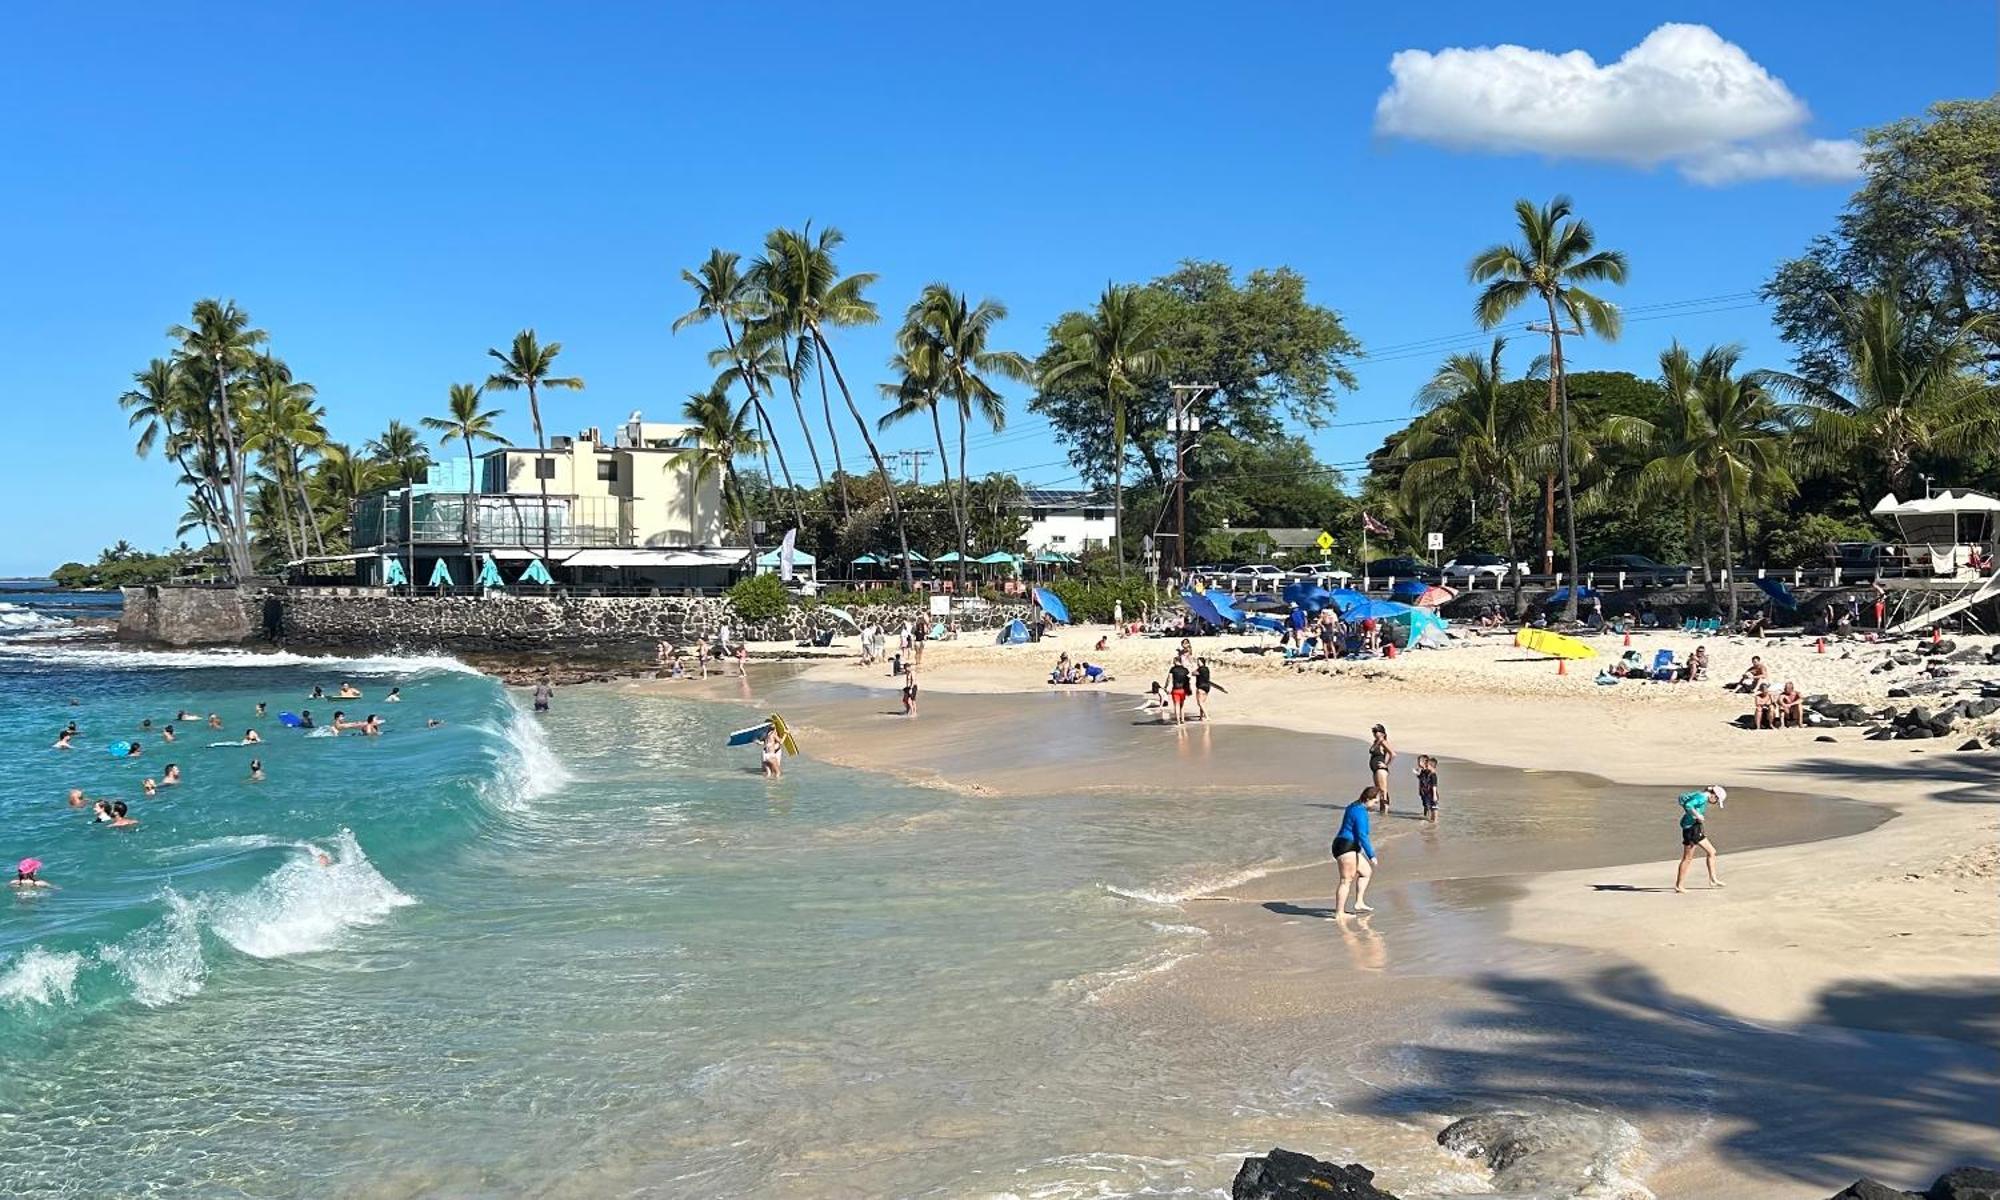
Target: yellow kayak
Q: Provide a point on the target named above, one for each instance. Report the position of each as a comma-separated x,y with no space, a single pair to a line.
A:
784,734
1553,643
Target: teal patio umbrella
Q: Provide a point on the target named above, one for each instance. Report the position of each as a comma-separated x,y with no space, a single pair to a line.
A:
392,573
537,573
441,575
489,574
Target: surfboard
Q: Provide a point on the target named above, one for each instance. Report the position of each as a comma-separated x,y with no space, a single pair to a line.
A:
744,737
213,745
289,720
118,749
784,734
1543,641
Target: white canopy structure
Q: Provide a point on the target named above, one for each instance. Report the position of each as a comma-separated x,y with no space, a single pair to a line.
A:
1956,527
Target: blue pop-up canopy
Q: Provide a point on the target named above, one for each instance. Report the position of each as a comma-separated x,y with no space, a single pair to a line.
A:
1052,604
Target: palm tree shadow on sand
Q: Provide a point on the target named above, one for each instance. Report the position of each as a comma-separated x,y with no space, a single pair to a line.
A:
1879,1073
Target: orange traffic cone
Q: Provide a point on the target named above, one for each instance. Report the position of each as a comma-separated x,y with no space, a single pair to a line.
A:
1562,666
1628,637
1937,635
1821,649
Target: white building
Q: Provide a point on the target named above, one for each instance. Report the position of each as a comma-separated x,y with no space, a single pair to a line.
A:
1068,522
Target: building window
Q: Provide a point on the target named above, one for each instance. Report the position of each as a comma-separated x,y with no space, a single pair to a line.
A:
1039,514
545,468
607,470
1093,514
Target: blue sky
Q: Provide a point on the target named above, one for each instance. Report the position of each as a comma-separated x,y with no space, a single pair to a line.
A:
391,189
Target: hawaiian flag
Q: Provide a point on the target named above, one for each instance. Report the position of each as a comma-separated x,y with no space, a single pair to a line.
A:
1371,525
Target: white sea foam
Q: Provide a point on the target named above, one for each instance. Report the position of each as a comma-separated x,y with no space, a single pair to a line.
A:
334,665
162,962
1200,889
304,906
19,618
40,977
524,760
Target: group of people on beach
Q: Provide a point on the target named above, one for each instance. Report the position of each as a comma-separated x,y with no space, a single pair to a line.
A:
1188,676
668,657
114,813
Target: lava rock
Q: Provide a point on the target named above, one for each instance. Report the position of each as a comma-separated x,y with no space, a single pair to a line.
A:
1966,1183
1897,693
1974,744
1825,738
1868,1189
1976,709
1287,1175
1879,735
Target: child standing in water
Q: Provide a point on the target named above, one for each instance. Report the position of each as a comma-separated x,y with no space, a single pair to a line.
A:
1427,786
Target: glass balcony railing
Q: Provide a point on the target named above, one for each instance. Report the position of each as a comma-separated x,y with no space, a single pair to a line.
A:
439,518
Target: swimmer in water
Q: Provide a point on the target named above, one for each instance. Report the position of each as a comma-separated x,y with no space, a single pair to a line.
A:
171,776
305,718
185,715
774,754
341,722
100,812
215,720
432,722
27,875
251,737
62,740
146,725
256,770
349,692
372,726
260,708
119,819
167,733
134,750
151,787
318,693
76,799
395,696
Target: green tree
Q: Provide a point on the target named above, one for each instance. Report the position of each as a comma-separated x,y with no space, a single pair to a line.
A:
282,424
1112,348
1477,436
217,347
342,477
402,450
465,421
1554,257
723,293
1905,391
722,431
959,336
529,364
1925,225
803,285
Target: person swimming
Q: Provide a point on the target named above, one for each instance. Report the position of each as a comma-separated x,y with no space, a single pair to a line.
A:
134,750
432,722
100,812
167,733
119,817
185,715
215,720
395,696
348,692
251,737
306,718
171,776
256,770
27,874
76,798
63,739
372,726
260,708
340,721
318,693
151,787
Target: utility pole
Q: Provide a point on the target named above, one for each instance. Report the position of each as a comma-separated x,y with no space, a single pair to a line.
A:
913,464
1184,424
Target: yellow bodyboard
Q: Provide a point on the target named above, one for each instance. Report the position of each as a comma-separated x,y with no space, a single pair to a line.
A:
784,734
1553,643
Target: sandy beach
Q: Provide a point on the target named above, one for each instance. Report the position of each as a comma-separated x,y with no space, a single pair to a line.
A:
1852,962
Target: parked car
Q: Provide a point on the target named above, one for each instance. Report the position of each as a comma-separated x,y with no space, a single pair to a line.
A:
1258,577
1403,567
1469,568
1639,569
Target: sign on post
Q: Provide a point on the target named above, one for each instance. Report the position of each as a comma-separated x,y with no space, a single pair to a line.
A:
1435,541
1325,541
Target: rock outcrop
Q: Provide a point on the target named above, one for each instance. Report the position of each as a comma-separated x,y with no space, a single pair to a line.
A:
1964,1183
1285,1175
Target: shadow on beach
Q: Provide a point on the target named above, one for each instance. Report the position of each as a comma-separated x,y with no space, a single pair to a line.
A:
1880,1073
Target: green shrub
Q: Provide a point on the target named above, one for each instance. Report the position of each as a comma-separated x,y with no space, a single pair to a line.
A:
759,598
1095,600
1805,542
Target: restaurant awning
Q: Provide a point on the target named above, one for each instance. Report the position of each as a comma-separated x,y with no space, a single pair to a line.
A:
651,556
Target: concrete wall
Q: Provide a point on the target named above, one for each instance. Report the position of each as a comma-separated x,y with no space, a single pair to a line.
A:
191,616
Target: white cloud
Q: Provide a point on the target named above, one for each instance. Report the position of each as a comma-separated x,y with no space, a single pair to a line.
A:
1684,96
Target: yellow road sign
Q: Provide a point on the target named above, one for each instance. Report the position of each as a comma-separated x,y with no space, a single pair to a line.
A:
1325,541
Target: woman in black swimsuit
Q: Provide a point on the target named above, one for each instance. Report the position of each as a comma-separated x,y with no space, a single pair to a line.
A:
1379,758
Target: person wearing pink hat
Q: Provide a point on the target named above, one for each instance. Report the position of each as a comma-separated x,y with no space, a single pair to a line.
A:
25,874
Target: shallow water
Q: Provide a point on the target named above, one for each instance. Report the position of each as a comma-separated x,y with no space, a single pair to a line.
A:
594,953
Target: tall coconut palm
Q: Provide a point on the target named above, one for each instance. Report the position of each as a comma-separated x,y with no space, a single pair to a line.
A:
757,364
1116,346
1478,436
216,346
1555,255
722,430
163,408
724,293
916,392
529,364
957,335
343,476
465,421
402,450
800,280
282,424
1905,394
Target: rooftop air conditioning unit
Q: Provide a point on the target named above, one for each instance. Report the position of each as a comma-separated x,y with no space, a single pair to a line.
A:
592,436
561,442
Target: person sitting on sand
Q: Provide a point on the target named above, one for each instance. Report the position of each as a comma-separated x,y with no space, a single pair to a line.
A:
1103,644
1764,707
1754,675
27,875
251,737
1354,854
774,754
1754,626
1694,832
1791,705
1156,695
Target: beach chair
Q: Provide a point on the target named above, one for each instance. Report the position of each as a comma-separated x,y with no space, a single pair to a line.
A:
1663,667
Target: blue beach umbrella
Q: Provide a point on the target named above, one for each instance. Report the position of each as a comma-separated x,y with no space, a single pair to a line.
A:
489,574
1052,604
537,573
392,573
441,575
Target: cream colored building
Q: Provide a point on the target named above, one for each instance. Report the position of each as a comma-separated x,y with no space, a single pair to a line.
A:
638,489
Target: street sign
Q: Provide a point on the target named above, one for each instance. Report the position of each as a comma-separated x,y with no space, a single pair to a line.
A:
1435,541
1325,541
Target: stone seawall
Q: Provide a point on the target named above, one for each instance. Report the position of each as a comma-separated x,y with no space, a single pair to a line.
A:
191,616
499,622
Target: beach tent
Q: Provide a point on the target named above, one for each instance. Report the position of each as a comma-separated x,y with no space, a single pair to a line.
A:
1052,604
441,575
1407,590
536,573
392,573
1014,633
1435,597
489,573
1203,606
1562,595
1225,605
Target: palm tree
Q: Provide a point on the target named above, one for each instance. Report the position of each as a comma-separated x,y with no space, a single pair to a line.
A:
799,279
402,450
1905,394
466,422
215,347
1478,436
723,292
756,364
527,364
721,432
1116,347
1553,256
344,476
1723,439
956,336
161,406
282,423
915,393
